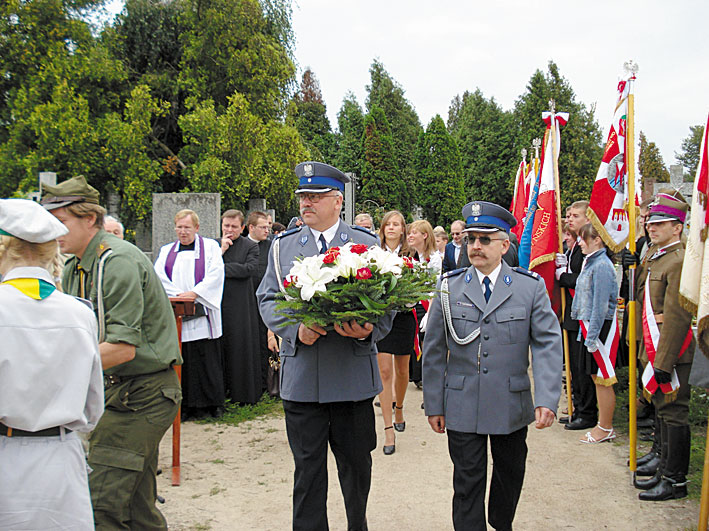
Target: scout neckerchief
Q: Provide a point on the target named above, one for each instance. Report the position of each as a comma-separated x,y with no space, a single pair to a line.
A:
34,288
651,338
607,351
199,260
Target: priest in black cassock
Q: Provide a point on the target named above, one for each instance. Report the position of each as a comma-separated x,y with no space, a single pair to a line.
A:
240,342
259,229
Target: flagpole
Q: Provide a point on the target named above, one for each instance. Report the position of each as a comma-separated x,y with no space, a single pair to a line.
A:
632,68
570,406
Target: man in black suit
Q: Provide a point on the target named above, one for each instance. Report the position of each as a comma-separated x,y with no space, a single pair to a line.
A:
453,250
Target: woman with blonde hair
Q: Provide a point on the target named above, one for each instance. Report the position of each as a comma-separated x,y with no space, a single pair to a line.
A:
51,384
396,348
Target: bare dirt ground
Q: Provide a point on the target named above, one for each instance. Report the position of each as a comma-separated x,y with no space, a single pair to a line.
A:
240,478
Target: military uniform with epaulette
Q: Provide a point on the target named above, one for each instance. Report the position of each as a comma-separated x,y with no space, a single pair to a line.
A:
665,328
475,373
142,396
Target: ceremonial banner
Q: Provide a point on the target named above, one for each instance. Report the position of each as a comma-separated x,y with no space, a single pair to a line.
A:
609,199
544,233
694,283
520,199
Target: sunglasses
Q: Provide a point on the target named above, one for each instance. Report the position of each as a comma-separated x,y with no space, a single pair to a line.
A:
313,198
484,240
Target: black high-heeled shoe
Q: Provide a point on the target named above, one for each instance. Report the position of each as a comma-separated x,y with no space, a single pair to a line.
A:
390,449
399,426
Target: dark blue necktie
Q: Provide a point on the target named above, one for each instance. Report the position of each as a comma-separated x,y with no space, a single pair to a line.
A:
488,289
323,244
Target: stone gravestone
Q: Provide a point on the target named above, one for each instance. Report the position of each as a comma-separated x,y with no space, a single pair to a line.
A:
348,207
165,206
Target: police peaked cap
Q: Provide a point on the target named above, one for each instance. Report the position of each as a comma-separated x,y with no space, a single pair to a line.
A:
483,216
318,177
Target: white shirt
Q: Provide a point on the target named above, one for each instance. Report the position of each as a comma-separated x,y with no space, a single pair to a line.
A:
209,290
329,234
456,253
51,368
492,276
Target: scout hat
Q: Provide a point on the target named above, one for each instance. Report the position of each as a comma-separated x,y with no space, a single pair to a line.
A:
666,207
318,177
26,220
483,216
74,190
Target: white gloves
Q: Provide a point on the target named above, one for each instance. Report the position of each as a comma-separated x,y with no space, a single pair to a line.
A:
559,271
561,260
423,322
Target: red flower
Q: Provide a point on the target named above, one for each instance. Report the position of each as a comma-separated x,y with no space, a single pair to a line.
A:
359,248
363,273
408,262
289,281
329,258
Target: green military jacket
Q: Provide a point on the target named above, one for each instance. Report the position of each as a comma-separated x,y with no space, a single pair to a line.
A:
137,310
664,270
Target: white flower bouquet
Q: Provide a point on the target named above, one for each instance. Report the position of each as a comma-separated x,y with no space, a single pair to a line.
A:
354,282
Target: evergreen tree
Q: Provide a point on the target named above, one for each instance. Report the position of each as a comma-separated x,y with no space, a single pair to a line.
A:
387,94
581,138
689,157
308,115
650,163
441,189
380,181
484,134
348,141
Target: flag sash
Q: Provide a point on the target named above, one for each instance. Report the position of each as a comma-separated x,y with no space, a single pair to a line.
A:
605,356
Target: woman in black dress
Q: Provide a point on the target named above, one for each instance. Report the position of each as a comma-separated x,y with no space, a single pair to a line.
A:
396,348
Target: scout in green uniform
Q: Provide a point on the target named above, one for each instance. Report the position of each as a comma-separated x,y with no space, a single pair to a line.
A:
666,349
138,345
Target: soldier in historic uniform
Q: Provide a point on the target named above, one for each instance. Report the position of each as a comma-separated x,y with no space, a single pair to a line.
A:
665,352
328,379
481,326
138,344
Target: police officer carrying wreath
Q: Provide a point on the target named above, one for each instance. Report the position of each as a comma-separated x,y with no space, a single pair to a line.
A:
328,379
138,347
666,349
481,326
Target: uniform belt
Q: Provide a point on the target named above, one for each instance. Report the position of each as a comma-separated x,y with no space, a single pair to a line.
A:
49,432
109,380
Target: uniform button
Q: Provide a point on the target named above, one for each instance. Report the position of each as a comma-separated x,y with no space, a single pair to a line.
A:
484,354
486,336
462,315
484,370
487,320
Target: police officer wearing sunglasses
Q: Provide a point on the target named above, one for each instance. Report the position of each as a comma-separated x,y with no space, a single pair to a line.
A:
481,326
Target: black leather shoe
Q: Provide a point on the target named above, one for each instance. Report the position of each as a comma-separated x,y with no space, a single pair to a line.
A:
647,484
400,426
648,468
666,489
390,449
563,420
645,458
580,424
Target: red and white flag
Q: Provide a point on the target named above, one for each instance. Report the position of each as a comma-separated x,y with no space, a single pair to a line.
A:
545,234
694,283
520,199
609,199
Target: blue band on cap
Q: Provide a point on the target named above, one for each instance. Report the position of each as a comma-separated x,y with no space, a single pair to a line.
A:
488,220
323,181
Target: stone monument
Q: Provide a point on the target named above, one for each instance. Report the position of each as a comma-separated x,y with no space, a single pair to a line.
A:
165,206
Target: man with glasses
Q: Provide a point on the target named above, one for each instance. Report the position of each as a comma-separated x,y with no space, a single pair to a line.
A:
453,251
481,326
328,378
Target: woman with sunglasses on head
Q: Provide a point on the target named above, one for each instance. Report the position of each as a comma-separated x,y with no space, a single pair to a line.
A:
396,348
594,306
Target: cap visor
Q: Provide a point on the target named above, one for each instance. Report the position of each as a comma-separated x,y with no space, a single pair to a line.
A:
662,218
483,229
60,204
312,190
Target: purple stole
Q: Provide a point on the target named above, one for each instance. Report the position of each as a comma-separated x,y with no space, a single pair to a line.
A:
199,260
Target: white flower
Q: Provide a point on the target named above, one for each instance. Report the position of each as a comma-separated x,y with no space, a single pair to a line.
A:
311,276
386,261
348,262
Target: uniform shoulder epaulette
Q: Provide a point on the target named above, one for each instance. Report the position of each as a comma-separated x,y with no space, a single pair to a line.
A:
526,272
289,232
102,247
453,272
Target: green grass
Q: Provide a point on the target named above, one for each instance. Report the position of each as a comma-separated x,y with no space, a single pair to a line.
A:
236,414
698,410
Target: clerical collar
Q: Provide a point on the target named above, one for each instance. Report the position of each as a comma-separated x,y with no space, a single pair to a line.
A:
492,276
251,238
189,247
329,234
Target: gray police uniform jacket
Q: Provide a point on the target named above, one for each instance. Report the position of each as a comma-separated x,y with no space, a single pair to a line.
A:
334,368
484,387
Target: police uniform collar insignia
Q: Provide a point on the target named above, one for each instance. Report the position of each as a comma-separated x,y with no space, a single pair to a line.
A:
344,237
468,278
308,170
507,279
475,209
303,239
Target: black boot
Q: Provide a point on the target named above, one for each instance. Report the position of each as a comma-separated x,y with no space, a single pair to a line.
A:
673,484
655,466
655,450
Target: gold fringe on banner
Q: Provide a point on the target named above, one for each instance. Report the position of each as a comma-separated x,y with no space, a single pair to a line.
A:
612,245
539,260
